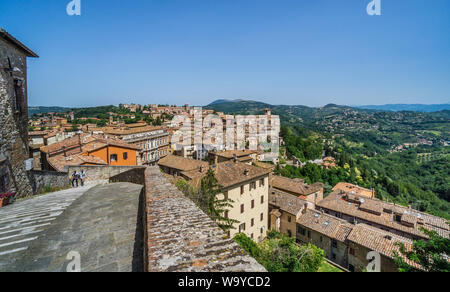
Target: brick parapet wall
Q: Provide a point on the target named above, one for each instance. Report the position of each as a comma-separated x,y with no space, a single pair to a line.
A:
182,238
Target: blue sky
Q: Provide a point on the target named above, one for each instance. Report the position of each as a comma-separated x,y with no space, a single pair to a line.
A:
309,52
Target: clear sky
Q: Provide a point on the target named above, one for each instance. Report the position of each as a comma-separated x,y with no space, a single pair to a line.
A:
309,52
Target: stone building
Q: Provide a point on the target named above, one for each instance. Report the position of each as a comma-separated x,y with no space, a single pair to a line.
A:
284,211
14,150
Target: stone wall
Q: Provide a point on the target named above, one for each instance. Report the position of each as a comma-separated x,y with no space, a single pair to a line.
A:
136,176
40,179
14,121
182,238
96,173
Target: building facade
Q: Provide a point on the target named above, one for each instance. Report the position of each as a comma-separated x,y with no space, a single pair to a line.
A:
14,150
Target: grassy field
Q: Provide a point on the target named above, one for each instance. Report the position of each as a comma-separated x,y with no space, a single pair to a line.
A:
327,268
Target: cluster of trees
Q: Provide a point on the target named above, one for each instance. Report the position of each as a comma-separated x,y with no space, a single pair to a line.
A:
396,177
431,255
303,147
280,253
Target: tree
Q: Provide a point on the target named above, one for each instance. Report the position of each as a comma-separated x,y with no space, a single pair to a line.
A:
280,253
431,255
215,207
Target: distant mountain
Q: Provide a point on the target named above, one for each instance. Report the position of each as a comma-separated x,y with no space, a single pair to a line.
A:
46,109
408,107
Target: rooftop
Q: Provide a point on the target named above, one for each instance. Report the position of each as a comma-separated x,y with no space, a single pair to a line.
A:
230,173
286,202
5,35
181,163
380,212
347,187
326,224
297,186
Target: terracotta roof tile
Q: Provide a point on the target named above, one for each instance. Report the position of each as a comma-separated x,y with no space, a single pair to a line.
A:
294,185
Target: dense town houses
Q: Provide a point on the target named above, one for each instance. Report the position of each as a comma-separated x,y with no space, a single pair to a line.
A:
86,149
14,150
152,141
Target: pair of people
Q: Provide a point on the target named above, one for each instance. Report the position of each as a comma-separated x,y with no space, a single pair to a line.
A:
78,176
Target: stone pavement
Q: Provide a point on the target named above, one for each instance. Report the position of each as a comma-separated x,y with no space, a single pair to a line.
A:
23,221
103,226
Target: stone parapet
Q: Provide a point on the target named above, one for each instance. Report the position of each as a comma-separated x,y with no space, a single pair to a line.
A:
182,238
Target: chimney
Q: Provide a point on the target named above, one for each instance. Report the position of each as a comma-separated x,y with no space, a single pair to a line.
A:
64,149
201,168
235,158
246,171
305,207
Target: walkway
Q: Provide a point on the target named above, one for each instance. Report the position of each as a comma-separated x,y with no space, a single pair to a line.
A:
103,226
22,222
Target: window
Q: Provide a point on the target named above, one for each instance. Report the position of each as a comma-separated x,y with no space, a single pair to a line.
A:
261,182
253,186
321,238
262,199
262,216
113,157
252,222
334,243
17,95
289,233
351,268
251,236
302,231
253,204
226,214
125,155
352,251
225,195
242,208
289,219
309,234
333,255
242,227
242,190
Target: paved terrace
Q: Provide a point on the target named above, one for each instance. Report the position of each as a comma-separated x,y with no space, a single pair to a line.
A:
22,222
103,225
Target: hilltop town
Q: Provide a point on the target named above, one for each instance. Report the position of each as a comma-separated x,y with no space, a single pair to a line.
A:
136,169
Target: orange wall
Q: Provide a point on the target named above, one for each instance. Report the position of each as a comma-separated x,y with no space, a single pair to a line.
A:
103,154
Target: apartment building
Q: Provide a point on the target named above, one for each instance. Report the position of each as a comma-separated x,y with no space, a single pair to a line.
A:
248,187
152,141
297,187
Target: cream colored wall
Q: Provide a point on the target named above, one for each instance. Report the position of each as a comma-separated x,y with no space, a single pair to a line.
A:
235,212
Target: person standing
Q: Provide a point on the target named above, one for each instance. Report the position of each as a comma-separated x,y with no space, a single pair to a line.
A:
74,179
82,177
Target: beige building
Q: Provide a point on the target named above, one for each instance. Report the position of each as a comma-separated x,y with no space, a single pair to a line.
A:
248,187
326,232
284,211
297,187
